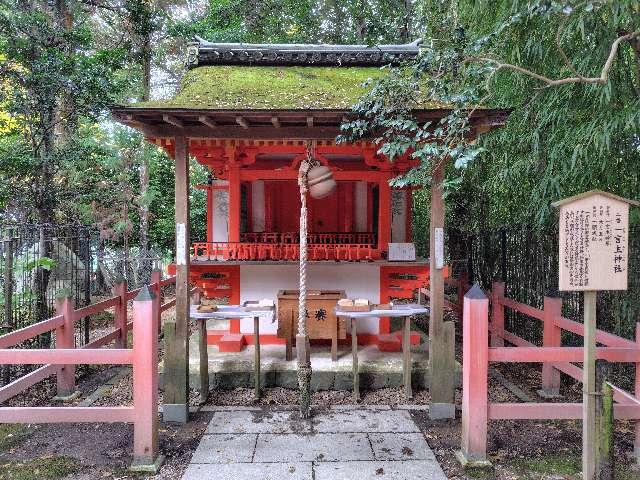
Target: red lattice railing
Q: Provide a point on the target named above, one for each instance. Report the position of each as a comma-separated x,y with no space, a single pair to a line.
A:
222,251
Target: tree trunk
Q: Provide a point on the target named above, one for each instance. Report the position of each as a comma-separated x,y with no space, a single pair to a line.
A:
144,265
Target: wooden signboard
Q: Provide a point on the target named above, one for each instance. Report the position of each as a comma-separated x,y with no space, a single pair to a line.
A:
593,242
402,252
593,255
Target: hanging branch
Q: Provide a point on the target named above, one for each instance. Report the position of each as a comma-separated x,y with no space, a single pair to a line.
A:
550,82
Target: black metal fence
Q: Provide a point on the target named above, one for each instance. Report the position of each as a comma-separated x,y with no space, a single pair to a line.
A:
527,261
38,262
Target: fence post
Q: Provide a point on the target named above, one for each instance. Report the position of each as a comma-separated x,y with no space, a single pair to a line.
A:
636,444
463,285
551,337
475,368
7,325
66,377
497,314
156,289
120,290
145,384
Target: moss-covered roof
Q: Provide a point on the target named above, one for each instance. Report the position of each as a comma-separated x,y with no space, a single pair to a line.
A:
244,87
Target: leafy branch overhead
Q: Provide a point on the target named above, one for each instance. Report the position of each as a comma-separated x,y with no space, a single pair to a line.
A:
462,66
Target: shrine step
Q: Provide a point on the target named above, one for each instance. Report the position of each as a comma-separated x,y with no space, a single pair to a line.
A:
231,342
214,336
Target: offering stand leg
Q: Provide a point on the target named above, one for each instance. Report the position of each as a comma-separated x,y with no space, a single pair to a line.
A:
334,340
406,357
256,358
204,360
354,351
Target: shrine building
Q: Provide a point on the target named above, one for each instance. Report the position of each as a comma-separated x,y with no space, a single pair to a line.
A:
251,113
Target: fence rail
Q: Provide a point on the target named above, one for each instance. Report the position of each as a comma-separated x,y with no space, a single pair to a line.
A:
484,343
61,361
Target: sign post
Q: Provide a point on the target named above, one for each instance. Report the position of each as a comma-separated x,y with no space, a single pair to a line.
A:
593,255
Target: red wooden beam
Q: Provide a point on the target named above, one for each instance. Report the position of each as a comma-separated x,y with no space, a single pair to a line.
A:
553,411
523,308
26,381
560,354
68,356
18,336
95,308
603,337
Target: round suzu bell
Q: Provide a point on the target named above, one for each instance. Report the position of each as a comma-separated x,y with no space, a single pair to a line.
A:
320,181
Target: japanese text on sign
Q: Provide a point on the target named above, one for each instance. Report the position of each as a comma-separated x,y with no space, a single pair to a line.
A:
593,244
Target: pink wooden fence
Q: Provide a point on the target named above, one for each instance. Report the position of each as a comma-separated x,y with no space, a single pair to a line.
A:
62,359
479,350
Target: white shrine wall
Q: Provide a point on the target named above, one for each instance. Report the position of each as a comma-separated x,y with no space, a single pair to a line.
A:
257,206
264,281
220,224
360,195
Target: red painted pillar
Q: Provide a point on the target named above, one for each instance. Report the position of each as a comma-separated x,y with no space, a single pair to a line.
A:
551,337
497,314
145,383
66,378
475,367
347,216
210,214
234,204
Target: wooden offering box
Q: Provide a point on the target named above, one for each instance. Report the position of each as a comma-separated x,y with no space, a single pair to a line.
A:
321,320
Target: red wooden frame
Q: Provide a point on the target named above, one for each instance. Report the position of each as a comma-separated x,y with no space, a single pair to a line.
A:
477,411
61,360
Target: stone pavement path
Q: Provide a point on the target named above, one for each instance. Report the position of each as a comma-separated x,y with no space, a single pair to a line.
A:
339,444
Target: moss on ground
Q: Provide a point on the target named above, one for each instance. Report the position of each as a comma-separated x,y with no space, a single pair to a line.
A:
12,435
569,465
46,468
242,87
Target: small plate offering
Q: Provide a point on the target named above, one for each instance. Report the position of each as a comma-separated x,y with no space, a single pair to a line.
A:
207,308
357,305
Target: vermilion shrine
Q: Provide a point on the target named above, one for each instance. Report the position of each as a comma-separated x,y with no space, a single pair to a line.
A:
251,114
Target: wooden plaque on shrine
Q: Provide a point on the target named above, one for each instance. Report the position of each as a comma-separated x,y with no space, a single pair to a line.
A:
593,241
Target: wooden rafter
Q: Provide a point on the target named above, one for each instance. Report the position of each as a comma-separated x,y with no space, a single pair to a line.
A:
208,121
173,120
242,122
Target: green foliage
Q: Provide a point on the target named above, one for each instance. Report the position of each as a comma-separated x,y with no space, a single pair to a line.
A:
13,434
45,468
162,230
559,140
